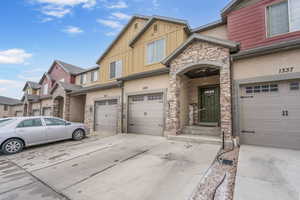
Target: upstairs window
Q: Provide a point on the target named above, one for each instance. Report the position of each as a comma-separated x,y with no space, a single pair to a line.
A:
155,51
94,76
83,79
283,17
45,89
115,69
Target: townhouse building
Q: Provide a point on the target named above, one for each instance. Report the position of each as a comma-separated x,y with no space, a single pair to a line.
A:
10,107
238,77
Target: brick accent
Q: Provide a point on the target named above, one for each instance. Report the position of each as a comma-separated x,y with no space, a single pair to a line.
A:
200,54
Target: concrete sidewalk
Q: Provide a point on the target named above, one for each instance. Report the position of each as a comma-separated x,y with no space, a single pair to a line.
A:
267,174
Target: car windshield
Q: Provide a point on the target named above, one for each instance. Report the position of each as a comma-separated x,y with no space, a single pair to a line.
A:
4,122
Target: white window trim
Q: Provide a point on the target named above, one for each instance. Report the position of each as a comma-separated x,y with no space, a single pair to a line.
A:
45,89
146,49
267,19
116,75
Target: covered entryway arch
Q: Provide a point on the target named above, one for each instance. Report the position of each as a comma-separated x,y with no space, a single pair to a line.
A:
201,66
58,107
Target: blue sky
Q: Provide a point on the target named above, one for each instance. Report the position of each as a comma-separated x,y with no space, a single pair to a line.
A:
35,32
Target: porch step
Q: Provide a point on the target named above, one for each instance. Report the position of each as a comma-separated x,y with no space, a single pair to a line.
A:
195,139
208,124
202,130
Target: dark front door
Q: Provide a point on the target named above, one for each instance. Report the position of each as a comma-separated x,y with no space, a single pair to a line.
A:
209,104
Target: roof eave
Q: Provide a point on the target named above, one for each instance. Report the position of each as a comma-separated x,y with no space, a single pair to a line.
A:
233,46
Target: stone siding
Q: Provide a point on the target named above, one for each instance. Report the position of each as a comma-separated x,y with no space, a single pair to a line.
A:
200,54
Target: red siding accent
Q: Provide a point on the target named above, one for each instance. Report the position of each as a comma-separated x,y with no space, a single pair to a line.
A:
57,73
248,26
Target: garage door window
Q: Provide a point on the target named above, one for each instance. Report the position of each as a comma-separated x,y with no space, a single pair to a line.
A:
294,86
262,88
113,102
274,88
154,97
137,98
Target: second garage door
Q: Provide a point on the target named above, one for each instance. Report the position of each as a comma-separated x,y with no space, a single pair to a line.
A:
270,114
106,113
46,111
146,114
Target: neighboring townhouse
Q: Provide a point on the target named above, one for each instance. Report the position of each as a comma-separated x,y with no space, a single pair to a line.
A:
266,71
10,107
49,96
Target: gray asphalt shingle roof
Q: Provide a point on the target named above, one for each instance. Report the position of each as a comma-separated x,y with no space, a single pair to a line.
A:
72,69
9,101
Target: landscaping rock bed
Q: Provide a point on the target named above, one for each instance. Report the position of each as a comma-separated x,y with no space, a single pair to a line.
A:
218,182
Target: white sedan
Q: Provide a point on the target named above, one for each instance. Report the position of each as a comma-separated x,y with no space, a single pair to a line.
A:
19,132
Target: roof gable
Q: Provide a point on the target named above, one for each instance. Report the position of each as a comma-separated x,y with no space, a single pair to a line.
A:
236,4
233,46
32,85
155,18
69,68
126,27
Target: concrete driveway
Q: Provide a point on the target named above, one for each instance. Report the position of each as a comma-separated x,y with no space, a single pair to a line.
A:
268,173
127,167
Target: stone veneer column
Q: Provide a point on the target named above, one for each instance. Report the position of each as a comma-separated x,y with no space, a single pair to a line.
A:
66,108
225,101
173,112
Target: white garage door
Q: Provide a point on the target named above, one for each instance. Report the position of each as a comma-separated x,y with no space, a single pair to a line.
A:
270,114
19,113
36,112
146,114
106,113
46,111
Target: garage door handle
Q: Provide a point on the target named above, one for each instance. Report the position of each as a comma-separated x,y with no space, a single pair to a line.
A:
244,131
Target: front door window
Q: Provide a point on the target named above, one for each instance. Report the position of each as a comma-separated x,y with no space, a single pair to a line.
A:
209,104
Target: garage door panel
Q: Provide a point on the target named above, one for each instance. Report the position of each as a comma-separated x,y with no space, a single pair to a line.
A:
280,141
261,116
146,114
106,116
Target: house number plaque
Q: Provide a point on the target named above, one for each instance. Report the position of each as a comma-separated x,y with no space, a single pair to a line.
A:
286,70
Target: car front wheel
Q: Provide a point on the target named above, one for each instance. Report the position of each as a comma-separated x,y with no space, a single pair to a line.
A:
12,146
79,134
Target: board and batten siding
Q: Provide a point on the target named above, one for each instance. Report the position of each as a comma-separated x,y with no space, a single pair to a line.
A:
134,58
247,25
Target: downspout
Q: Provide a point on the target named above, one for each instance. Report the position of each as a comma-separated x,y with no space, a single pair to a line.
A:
122,106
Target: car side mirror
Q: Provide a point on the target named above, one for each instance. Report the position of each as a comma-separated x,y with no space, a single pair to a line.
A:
68,123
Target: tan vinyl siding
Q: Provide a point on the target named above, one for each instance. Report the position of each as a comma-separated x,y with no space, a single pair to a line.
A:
134,58
218,32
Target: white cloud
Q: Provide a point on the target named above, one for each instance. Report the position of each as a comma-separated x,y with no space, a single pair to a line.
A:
110,23
84,3
60,8
55,11
47,19
14,56
118,5
73,30
112,33
11,88
155,3
120,16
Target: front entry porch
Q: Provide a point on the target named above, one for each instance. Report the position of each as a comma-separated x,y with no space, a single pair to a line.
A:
199,97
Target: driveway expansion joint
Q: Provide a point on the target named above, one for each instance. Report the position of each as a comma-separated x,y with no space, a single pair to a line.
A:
40,181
